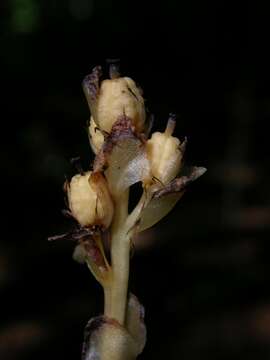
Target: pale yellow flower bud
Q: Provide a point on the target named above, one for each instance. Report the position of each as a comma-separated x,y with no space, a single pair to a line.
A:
117,97
89,200
164,154
96,137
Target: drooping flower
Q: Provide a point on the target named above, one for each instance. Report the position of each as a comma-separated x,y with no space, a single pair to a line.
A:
89,200
164,154
110,99
117,97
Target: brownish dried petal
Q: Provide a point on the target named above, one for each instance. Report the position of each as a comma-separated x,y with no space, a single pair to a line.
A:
179,184
88,248
91,85
120,130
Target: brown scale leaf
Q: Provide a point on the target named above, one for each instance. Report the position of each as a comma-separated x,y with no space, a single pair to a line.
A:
180,184
86,239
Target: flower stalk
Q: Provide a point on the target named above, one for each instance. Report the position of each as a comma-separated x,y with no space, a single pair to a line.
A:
98,202
120,254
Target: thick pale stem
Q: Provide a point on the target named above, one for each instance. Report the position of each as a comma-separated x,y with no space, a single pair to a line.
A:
120,256
107,300
120,253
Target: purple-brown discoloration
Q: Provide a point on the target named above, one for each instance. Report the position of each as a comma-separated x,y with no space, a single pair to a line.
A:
92,326
121,129
93,251
180,184
87,238
76,234
91,83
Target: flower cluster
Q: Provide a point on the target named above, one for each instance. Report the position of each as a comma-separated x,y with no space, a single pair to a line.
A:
98,198
125,156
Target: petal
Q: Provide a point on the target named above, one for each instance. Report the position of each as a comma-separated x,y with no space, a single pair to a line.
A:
104,207
127,165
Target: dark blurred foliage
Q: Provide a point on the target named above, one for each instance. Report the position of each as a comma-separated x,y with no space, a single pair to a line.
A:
203,273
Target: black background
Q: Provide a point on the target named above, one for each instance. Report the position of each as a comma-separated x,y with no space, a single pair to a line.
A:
202,273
